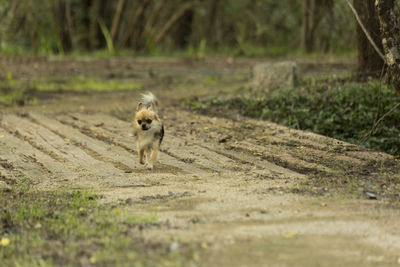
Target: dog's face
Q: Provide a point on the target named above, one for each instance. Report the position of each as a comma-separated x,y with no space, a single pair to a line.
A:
145,119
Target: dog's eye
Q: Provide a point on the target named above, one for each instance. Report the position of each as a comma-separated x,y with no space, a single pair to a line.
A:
139,121
148,121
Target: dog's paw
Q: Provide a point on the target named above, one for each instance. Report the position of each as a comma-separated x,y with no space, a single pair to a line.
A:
149,166
141,162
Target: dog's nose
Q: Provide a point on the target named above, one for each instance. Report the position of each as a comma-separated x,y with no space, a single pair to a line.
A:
144,126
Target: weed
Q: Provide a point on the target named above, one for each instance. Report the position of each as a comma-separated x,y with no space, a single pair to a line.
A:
299,188
198,52
107,37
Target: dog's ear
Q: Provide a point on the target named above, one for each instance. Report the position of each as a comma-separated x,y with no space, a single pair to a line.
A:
139,106
151,107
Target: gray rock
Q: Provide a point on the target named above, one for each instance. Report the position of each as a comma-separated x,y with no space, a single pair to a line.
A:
270,76
371,195
4,186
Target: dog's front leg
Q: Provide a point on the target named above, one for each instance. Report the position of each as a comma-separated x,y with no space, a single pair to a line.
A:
140,155
152,158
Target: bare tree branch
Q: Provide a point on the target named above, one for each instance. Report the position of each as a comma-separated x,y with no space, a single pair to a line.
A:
117,18
134,20
171,22
366,32
153,15
70,23
367,135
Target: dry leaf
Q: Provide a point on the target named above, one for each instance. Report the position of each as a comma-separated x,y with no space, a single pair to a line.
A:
4,242
291,234
93,259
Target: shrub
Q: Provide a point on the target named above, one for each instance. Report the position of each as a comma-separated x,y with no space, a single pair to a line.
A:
346,111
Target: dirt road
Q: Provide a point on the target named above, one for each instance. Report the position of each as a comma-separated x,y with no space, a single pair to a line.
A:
232,186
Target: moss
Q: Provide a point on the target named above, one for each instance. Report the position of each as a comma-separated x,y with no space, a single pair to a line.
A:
85,84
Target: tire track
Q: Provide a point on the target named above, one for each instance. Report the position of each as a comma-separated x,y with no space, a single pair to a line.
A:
23,160
15,132
168,161
187,152
102,152
72,157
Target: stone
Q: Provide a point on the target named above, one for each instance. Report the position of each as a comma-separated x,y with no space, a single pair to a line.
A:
4,186
271,76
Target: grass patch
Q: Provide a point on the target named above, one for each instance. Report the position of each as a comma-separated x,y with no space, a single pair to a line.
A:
18,92
86,84
14,92
342,110
73,228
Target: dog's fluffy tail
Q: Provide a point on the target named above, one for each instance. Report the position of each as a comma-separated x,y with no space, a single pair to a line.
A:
148,99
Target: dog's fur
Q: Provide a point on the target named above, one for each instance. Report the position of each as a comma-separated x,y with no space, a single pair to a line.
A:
148,130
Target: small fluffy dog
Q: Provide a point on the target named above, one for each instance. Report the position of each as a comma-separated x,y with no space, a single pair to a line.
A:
148,130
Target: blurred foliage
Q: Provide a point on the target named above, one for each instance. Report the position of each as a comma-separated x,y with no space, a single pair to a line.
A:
343,110
19,92
85,84
240,27
15,92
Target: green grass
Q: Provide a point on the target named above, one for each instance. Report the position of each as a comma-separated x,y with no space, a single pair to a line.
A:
17,96
72,228
17,92
86,84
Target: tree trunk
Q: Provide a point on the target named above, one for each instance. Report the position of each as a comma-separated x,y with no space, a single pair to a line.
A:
153,16
212,22
183,29
313,12
369,61
307,33
93,25
388,13
70,23
171,21
59,9
137,18
117,18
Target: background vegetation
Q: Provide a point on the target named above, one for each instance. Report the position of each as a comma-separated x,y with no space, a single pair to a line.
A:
238,27
346,110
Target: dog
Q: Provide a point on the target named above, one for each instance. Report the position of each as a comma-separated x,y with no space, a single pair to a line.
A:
148,130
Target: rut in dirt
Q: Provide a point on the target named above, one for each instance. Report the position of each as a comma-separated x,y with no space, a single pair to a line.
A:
96,150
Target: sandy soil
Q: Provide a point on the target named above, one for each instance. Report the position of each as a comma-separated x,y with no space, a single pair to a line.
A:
228,185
